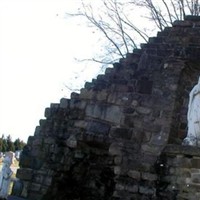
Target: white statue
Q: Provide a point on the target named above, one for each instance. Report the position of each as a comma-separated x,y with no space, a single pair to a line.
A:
193,117
5,177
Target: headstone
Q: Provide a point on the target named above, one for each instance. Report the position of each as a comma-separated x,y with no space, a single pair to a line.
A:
5,177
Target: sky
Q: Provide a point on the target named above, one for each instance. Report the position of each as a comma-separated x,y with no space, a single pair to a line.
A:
38,47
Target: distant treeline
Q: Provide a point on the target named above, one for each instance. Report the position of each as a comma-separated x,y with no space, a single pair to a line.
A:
6,144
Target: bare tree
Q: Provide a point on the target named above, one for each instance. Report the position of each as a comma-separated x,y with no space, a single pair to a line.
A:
122,25
166,12
121,34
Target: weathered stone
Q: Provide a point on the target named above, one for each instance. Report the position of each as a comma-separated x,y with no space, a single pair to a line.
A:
26,161
38,178
25,174
72,141
134,174
195,178
33,195
113,114
64,103
149,176
120,138
122,133
119,186
25,189
145,86
117,170
131,188
44,190
49,140
153,149
98,127
134,103
37,163
74,95
37,130
147,190
159,139
47,112
143,110
55,105
79,154
182,150
115,149
47,180
81,124
128,110
87,94
118,160
196,162
102,96
104,112
17,188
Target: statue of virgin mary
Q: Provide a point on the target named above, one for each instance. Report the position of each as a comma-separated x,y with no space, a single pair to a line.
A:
193,117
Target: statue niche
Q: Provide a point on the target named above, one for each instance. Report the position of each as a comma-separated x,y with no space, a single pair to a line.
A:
193,117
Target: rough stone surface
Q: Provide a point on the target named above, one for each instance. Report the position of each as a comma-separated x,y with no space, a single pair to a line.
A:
121,137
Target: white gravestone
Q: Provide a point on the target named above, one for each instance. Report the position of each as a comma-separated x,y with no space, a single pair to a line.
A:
193,117
5,177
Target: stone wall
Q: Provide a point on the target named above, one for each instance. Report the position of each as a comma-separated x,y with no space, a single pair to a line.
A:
179,170
111,141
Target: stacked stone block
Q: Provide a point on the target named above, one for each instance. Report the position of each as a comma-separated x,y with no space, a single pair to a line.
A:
107,142
180,172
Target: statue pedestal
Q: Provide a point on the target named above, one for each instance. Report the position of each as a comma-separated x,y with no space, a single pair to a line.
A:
191,141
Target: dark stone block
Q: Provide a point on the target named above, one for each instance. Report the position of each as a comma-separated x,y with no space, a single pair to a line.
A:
129,121
192,18
17,188
120,81
183,126
129,110
74,95
109,71
137,51
55,105
37,163
98,127
145,86
149,126
35,195
117,66
89,85
100,85
184,150
24,174
101,77
47,112
123,133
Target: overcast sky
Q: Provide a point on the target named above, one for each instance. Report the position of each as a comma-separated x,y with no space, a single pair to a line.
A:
37,50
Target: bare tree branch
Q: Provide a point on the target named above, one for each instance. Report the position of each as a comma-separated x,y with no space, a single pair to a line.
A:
168,11
120,35
175,15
